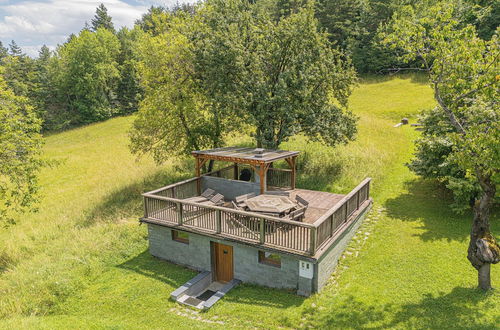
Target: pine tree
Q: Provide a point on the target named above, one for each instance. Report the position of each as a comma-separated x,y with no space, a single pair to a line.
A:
102,19
3,52
14,49
44,53
128,91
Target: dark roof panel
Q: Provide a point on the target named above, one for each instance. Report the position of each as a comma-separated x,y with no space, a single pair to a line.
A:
245,155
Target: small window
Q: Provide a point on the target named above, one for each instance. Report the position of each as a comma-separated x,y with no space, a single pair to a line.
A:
180,236
269,258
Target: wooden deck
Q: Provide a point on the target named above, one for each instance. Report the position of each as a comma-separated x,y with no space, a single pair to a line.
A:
319,202
327,213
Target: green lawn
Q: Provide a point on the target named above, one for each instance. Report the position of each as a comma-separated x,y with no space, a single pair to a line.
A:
82,260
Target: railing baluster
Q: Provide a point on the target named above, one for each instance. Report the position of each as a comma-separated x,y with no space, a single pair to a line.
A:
262,231
218,221
179,213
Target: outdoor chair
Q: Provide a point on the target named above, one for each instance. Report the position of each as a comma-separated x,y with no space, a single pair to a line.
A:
217,199
204,197
240,200
236,206
208,193
297,215
192,211
301,201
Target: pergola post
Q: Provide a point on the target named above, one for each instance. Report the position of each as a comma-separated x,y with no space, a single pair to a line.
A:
198,175
199,163
235,175
263,167
292,162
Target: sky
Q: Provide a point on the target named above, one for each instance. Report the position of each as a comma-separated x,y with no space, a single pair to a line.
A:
33,23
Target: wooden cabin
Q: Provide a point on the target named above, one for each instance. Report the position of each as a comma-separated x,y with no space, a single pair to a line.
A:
248,221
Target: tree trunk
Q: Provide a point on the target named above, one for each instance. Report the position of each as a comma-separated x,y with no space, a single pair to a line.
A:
210,165
483,277
259,138
483,248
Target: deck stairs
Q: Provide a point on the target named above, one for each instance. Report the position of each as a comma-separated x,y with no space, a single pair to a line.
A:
201,292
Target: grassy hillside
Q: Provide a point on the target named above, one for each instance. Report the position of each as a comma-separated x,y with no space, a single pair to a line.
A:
82,260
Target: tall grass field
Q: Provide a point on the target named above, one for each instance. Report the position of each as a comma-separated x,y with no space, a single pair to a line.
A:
82,260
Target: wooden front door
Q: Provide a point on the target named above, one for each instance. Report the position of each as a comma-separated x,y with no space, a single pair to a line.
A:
223,262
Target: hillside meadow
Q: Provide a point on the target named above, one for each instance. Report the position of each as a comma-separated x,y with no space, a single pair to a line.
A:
82,260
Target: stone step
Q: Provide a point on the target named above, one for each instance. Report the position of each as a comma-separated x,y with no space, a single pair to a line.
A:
201,292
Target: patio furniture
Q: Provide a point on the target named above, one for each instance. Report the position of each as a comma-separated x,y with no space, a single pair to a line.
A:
297,215
236,206
217,199
240,200
272,204
191,210
208,193
301,201
204,197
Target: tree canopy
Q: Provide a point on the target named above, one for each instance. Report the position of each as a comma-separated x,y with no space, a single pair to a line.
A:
231,62
86,75
175,116
282,75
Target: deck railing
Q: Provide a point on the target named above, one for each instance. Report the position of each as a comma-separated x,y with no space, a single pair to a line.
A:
334,219
227,172
166,205
278,177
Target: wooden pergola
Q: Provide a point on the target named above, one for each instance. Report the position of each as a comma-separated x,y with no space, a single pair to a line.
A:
258,159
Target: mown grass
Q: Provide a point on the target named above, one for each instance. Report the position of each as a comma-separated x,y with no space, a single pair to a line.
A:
82,261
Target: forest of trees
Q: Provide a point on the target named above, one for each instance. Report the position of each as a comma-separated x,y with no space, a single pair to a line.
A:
199,71
94,74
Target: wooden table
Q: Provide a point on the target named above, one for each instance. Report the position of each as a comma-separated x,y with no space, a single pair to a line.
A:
270,203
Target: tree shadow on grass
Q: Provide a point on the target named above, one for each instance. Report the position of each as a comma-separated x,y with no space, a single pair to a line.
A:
127,201
349,313
250,294
428,202
457,309
147,265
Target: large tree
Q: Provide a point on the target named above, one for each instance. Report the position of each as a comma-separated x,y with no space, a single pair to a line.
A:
20,143
463,72
175,116
86,74
278,72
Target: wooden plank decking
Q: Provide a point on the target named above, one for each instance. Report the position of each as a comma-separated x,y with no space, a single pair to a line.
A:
319,202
